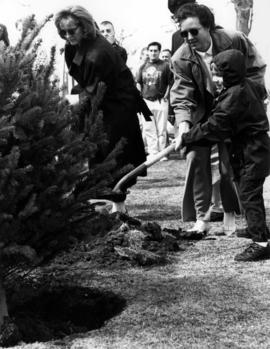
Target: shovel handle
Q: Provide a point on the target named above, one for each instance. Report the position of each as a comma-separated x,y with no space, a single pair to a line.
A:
139,169
155,158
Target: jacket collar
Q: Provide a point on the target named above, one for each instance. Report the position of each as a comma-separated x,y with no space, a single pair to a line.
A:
221,41
209,52
189,54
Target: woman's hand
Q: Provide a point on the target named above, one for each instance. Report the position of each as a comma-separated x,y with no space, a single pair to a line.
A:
72,99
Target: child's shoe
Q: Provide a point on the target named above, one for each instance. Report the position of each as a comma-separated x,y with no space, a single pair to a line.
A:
253,253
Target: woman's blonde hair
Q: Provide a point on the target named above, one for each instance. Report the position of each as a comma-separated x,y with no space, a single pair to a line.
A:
81,16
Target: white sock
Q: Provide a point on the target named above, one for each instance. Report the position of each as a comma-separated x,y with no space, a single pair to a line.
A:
119,207
263,244
200,225
229,222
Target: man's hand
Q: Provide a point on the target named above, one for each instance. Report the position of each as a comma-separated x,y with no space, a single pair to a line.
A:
184,127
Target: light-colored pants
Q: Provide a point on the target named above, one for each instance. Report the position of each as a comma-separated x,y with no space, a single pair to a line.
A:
155,131
141,122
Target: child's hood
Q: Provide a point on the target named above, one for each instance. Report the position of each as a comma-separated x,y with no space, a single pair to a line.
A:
231,64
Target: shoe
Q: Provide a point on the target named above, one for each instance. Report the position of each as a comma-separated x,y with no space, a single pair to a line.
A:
216,216
119,207
253,252
217,231
244,233
200,227
221,231
101,206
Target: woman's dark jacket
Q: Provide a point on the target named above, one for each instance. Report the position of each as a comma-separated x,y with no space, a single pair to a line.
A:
97,61
239,117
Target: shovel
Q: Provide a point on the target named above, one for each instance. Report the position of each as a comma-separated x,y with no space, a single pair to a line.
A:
139,169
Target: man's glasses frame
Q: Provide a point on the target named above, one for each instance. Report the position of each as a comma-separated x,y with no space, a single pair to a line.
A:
71,31
192,31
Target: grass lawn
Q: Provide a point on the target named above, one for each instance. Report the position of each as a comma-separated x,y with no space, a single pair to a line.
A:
203,299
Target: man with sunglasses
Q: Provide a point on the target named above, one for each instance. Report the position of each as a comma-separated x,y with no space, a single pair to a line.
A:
216,212
192,97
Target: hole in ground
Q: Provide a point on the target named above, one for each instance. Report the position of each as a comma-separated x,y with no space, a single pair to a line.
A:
53,314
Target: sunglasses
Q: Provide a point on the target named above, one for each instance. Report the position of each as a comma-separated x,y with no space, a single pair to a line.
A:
192,31
72,31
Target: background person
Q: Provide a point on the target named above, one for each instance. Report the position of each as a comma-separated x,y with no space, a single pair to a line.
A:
91,59
166,55
107,30
143,58
153,81
144,55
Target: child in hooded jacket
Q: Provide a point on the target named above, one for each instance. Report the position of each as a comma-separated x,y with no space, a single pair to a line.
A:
239,119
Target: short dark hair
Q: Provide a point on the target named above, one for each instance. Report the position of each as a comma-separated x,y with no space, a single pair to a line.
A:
205,15
154,43
167,50
106,23
173,5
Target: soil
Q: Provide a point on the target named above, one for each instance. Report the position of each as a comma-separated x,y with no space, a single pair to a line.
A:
44,309
193,296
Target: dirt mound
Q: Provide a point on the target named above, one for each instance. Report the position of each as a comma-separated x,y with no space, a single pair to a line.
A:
123,240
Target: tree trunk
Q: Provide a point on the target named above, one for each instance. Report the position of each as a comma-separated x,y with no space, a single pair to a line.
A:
3,303
244,15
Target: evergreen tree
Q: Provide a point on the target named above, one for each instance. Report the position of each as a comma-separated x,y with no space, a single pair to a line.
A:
49,166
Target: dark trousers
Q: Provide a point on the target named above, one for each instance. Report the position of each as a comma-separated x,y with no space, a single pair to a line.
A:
251,196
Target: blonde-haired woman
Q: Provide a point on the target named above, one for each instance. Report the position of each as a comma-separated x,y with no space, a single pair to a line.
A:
91,59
